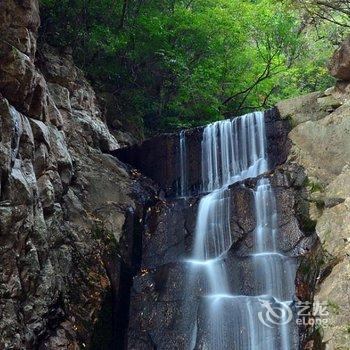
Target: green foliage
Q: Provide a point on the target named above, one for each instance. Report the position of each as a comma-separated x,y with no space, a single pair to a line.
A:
333,307
347,328
333,11
174,64
315,186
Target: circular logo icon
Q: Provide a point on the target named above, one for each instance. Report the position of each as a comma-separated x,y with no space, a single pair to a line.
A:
273,314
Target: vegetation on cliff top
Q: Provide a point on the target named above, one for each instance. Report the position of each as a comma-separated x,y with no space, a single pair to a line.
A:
179,63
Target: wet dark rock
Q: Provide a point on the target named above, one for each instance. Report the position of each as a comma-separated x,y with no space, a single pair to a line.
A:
159,157
170,226
242,211
165,236
159,289
278,143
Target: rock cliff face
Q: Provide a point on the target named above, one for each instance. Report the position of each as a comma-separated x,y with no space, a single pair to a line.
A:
70,214
321,144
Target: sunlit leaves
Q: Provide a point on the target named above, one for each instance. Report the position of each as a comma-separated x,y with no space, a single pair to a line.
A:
177,63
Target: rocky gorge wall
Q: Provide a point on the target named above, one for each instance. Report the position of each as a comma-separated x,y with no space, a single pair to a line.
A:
70,213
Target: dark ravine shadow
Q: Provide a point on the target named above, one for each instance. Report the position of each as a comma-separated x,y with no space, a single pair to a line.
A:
111,329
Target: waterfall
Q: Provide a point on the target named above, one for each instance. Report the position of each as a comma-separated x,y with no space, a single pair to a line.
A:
183,165
234,150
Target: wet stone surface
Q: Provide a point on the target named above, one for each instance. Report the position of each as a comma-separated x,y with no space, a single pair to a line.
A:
159,309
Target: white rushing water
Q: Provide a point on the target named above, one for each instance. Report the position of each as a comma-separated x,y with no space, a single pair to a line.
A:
234,150
183,165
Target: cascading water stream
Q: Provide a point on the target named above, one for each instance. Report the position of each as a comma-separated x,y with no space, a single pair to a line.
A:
234,150
183,165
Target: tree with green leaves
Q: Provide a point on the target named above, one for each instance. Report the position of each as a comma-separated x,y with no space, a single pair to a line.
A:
175,63
333,11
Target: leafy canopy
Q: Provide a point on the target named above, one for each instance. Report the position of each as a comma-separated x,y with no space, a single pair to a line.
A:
175,63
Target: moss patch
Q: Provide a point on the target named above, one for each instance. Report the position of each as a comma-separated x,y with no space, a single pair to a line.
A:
313,186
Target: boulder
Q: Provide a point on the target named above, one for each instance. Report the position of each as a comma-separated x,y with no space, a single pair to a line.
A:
61,155
20,82
60,95
40,131
301,109
339,66
41,159
323,146
21,184
46,193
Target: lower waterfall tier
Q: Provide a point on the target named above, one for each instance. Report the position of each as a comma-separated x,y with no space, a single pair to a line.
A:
161,314
240,322
226,316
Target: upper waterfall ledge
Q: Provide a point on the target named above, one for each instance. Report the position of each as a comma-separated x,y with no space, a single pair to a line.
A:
158,157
